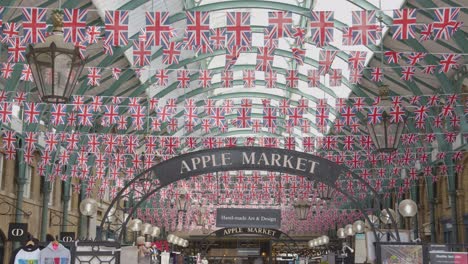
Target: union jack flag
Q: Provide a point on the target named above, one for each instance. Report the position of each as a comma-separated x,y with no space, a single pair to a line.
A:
357,59
313,78
218,38
238,30
326,58
270,79
347,38
217,116
16,50
92,34
141,53
392,56
299,35
407,73
116,28
270,117
279,24
264,59
226,79
298,55
232,54
94,76
355,76
397,114
138,114
74,25
426,32
376,74
85,115
111,114
158,29
1,17
107,48
10,31
116,73
58,112
7,70
445,22
249,78
374,115
404,23
449,61
321,27
365,30
348,115
34,24
205,78
171,53
81,46
183,77
5,112
244,117
335,77
32,112
415,57
162,77
198,28
292,78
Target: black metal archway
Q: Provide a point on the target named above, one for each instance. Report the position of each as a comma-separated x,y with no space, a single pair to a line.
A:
238,158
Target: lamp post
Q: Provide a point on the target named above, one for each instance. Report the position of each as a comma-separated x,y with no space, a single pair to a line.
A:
301,208
386,134
408,209
55,64
88,208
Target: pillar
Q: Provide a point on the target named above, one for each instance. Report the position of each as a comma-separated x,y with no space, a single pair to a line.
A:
452,192
21,181
46,187
433,220
66,198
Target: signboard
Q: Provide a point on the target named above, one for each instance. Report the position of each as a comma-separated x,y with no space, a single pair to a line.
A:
17,232
440,257
248,230
248,158
402,254
241,217
67,236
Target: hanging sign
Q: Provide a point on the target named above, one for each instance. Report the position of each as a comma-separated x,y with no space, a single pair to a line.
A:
242,217
441,257
67,236
17,232
248,231
248,158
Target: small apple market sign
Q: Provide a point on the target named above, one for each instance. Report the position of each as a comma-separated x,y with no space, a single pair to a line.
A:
248,231
249,158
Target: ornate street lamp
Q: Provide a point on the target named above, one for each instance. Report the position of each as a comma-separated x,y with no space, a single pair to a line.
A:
182,202
408,208
386,135
88,208
301,208
55,64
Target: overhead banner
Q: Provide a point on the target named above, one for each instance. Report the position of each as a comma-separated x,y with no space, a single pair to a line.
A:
242,217
248,231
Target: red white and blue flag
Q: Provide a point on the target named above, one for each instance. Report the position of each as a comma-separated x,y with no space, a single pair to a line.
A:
238,29
141,53
198,28
321,27
376,74
357,59
74,25
183,78
11,31
374,115
92,34
292,78
248,76
171,53
116,25
32,112
445,22
205,78
226,79
244,117
34,24
218,38
449,61
299,55
5,112
270,79
326,58
16,50
279,24
404,23
364,29
264,58
335,77
158,29
94,76
313,78
162,77
58,112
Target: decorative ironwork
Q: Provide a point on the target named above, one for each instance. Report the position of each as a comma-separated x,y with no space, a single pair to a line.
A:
8,208
146,185
56,220
96,252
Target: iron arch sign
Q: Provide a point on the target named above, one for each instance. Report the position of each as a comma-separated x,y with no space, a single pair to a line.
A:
240,158
248,158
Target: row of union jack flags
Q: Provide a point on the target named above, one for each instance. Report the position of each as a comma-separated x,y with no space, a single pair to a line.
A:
199,32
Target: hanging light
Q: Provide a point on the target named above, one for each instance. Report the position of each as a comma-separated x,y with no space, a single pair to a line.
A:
146,229
341,233
55,64
88,207
386,135
156,231
408,208
135,225
325,192
301,208
182,201
325,240
358,227
349,230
